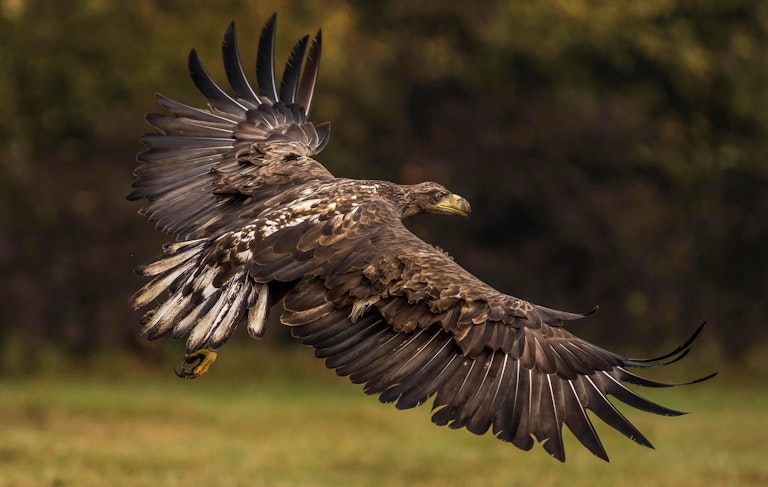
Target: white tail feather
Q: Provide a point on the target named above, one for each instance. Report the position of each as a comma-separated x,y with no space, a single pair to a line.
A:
257,315
173,247
185,324
167,263
166,315
220,318
225,325
156,286
208,314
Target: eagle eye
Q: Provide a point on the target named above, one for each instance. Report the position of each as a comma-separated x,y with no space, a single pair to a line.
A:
440,194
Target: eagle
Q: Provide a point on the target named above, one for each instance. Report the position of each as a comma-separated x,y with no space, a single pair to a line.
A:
258,223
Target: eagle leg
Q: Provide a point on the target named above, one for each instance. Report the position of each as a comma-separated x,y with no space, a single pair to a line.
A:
195,364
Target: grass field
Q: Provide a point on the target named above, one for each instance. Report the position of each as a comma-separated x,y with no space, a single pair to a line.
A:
307,427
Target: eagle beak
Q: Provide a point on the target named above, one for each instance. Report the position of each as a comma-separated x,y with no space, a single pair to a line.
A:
454,204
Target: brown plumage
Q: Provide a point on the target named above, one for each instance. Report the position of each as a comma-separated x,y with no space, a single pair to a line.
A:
256,219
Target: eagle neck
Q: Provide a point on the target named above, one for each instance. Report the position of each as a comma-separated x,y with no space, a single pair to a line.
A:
398,195
403,198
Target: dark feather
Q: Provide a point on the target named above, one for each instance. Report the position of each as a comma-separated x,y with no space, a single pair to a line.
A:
216,96
290,78
309,76
578,422
182,110
234,68
188,127
598,402
265,60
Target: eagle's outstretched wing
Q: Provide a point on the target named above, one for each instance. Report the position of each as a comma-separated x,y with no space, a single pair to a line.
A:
206,166
408,322
400,316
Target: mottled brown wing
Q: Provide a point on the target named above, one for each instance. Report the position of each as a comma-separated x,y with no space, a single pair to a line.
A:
206,166
409,323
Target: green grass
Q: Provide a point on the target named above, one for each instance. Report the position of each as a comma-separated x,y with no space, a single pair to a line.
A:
307,427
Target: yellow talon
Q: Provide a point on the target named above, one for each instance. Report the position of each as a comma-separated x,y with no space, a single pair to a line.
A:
204,358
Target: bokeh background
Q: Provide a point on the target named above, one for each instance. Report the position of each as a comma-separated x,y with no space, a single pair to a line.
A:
614,154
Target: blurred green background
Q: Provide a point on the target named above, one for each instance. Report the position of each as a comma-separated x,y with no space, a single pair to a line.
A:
613,152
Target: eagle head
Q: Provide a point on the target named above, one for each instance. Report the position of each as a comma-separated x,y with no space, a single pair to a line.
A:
431,197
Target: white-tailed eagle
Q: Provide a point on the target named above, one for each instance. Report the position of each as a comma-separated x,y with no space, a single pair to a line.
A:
258,222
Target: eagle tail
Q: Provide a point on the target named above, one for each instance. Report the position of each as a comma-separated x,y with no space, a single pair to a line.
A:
197,305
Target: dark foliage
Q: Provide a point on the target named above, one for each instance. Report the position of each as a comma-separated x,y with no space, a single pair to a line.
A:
613,153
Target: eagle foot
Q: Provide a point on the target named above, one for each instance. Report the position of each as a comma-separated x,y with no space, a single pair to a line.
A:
195,364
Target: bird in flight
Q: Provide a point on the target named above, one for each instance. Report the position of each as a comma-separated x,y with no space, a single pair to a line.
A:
259,223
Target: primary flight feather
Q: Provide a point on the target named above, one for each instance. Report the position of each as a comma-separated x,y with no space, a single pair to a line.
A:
258,222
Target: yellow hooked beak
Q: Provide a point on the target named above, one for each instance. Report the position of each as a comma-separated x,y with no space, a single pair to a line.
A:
454,204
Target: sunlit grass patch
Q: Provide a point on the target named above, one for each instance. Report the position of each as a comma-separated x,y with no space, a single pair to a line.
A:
239,428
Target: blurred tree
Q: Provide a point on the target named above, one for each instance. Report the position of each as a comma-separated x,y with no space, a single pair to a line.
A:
613,138
613,151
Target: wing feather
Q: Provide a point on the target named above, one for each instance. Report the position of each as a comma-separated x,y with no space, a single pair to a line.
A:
265,60
396,355
217,98
197,114
309,76
291,73
467,416
414,389
409,360
578,422
234,67
599,403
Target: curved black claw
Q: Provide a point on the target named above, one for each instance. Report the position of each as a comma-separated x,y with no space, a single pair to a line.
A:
195,364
